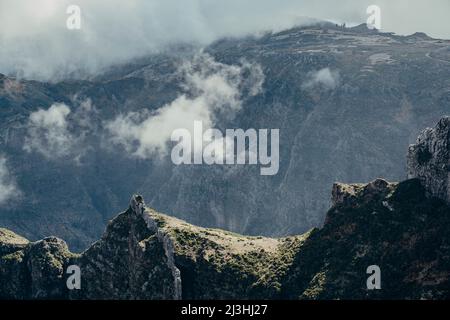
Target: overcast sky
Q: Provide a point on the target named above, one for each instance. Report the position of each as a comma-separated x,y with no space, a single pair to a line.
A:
35,41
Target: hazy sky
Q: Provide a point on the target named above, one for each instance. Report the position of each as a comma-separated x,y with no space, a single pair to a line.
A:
34,39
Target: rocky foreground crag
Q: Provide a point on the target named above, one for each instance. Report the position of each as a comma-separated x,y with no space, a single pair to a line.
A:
401,227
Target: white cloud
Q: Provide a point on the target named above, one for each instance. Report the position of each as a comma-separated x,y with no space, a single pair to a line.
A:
35,42
211,88
325,78
53,134
48,132
8,188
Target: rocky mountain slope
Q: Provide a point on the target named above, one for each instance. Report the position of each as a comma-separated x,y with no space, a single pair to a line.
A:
400,227
338,95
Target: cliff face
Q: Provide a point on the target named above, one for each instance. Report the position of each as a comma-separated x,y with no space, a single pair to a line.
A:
394,226
429,160
401,227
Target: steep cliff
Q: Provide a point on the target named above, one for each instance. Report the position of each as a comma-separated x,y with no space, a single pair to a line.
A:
390,225
403,228
429,160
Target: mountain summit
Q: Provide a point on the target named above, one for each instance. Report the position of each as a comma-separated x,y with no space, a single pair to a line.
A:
400,227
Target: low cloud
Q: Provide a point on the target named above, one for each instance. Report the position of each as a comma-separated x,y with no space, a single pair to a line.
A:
53,134
48,132
211,89
8,187
35,43
324,78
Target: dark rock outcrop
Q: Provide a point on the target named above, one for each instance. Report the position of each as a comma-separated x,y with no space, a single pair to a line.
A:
429,160
397,228
32,270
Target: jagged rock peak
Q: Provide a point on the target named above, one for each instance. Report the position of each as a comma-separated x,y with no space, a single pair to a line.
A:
429,160
137,204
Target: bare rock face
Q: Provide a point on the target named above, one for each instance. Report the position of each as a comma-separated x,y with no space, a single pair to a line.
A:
429,160
128,262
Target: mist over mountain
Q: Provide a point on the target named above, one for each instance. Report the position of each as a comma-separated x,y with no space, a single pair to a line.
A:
36,44
347,101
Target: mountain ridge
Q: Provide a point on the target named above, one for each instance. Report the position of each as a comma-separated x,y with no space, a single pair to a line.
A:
400,227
